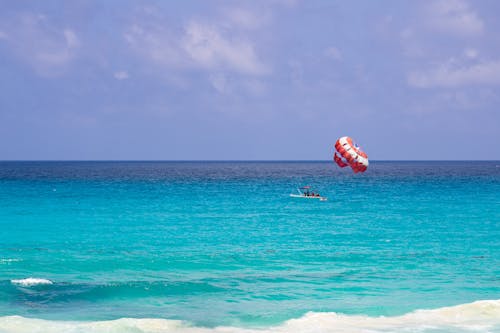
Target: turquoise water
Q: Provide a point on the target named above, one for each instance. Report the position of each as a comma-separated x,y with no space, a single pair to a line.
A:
222,244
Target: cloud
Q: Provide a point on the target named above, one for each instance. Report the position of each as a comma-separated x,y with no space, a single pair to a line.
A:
121,75
157,43
430,29
209,48
220,83
471,53
454,17
3,35
412,46
40,42
453,74
450,101
52,52
198,45
71,39
227,85
333,53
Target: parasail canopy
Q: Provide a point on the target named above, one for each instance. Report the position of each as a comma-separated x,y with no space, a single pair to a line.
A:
348,153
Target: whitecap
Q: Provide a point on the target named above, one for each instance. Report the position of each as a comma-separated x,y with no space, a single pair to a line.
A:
29,282
8,261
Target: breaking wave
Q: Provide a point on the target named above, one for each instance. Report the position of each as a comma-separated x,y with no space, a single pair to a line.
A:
29,282
480,316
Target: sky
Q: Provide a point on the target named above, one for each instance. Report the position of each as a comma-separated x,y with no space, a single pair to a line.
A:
249,80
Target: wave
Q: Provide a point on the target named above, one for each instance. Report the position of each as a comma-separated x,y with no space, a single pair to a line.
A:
479,316
32,291
29,282
8,261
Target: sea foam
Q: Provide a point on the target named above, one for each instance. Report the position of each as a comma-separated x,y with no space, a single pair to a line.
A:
480,316
29,282
9,260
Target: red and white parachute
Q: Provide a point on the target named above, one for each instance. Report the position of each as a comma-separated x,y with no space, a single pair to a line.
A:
347,153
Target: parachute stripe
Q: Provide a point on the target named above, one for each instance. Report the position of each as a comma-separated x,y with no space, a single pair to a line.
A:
338,159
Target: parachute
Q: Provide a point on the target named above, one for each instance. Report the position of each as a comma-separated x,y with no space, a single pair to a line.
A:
348,153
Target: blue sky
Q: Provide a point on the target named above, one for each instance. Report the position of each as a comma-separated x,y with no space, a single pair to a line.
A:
275,80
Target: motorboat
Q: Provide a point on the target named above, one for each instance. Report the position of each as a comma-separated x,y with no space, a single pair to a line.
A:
306,192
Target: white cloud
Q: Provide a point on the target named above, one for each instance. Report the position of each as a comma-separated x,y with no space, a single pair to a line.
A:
157,43
453,100
471,53
71,39
198,45
220,83
438,20
40,42
52,52
209,48
333,53
453,74
454,17
225,84
121,75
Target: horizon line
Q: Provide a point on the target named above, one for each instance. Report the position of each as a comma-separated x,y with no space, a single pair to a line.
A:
235,160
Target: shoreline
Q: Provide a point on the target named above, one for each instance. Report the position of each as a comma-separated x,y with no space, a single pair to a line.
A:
478,316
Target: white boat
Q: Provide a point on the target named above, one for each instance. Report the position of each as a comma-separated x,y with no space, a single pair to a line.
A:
307,193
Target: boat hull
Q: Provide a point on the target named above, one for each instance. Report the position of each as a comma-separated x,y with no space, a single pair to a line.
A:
308,197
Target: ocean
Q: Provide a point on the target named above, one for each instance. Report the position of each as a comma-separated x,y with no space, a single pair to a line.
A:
222,247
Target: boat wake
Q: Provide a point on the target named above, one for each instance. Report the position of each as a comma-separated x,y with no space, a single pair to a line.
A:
480,316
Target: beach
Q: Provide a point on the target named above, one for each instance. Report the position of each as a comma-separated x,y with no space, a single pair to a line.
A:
222,247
